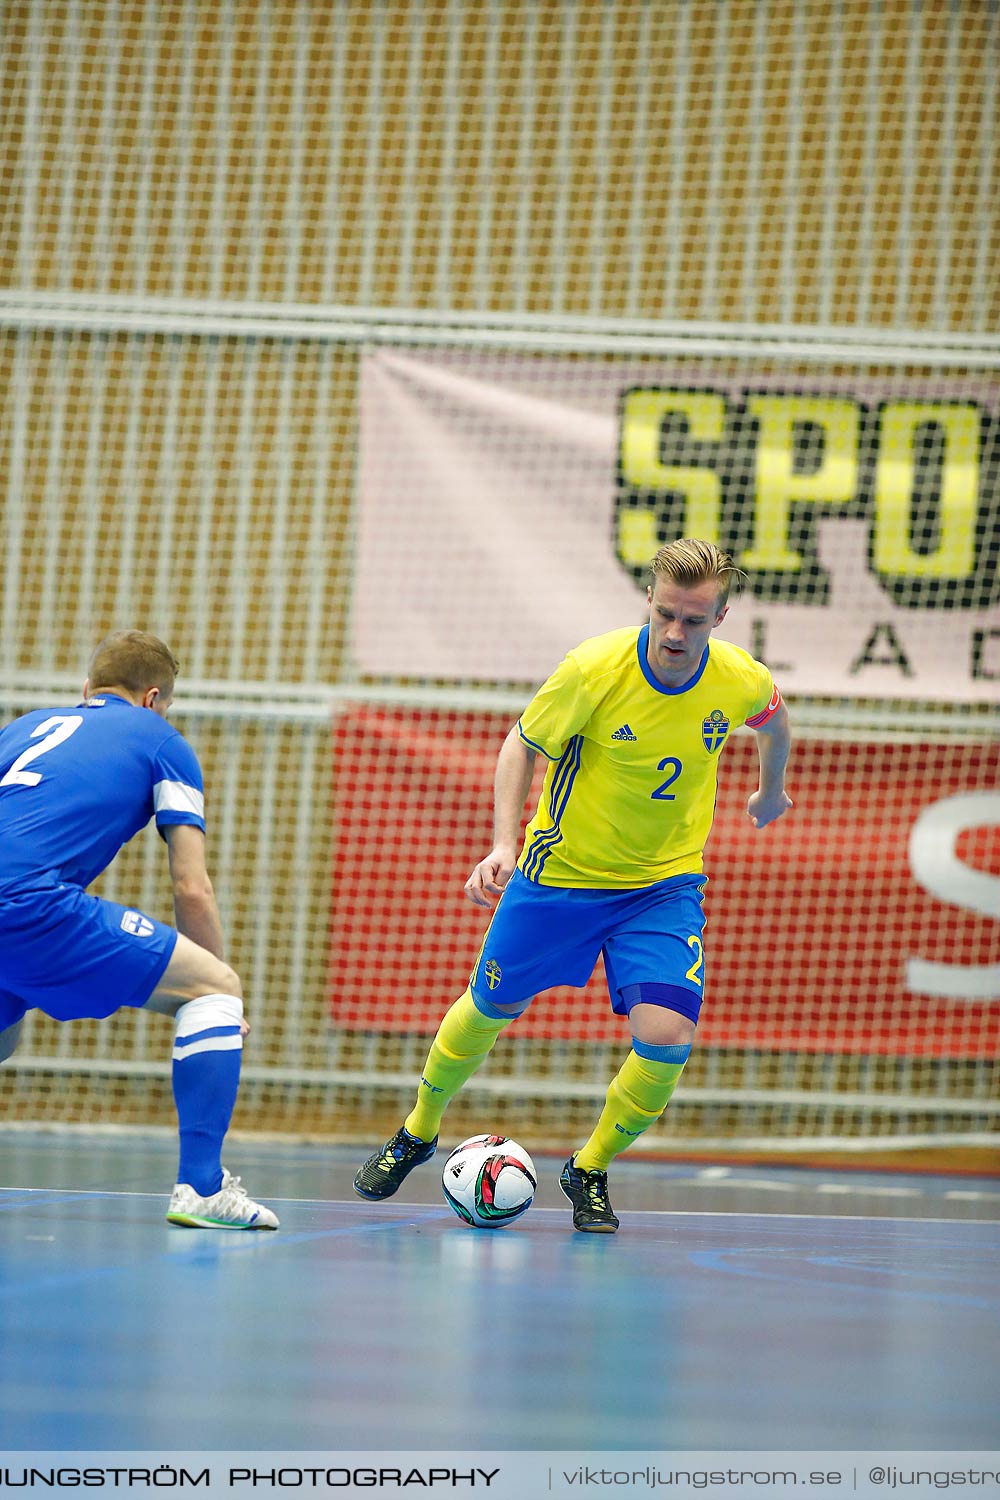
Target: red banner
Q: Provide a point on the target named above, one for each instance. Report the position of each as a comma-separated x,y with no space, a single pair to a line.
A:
867,920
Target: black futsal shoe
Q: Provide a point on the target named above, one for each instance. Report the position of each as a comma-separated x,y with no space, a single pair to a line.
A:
588,1193
383,1174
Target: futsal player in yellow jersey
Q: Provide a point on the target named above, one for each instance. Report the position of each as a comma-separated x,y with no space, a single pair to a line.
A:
632,725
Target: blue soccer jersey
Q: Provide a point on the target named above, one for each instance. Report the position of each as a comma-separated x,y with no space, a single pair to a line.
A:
77,783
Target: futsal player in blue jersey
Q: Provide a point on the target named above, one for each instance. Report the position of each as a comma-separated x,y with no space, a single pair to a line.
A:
631,725
76,783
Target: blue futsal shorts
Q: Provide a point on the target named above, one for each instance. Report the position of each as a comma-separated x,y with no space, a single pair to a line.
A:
543,935
73,955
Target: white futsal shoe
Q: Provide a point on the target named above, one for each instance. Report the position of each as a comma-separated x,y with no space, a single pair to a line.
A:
230,1208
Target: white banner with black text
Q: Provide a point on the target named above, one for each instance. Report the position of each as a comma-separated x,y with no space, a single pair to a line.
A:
509,505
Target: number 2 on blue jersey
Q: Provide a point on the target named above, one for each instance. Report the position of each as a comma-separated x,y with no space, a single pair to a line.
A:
61,727
661,794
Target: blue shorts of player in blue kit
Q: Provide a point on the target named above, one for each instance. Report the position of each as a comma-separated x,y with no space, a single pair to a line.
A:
74,955
542,936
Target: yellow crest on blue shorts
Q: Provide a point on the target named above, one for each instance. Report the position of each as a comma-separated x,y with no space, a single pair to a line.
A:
493,973
714,729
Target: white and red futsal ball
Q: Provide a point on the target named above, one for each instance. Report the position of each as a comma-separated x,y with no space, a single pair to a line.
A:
489,1180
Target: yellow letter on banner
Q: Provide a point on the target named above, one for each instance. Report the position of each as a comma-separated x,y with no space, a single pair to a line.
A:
778,485
643,469
894,475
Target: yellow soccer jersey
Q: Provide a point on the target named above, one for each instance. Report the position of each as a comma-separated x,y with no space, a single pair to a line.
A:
629,796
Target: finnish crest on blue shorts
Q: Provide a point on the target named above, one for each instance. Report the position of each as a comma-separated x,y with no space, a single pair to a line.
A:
135,923
714,729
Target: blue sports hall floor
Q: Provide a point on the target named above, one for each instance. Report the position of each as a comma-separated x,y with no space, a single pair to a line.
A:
738,1307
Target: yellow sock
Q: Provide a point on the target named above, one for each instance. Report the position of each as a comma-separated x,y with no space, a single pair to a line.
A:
636,1098
463,1041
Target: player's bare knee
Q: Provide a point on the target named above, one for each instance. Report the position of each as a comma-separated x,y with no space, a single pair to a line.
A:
659,1026
225,982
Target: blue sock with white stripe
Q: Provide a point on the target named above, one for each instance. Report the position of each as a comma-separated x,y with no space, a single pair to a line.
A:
208,1050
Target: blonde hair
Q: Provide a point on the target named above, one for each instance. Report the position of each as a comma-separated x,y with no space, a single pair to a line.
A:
134,660
690,561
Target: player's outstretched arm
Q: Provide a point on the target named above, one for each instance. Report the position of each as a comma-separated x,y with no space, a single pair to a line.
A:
196,913
774,742
512,783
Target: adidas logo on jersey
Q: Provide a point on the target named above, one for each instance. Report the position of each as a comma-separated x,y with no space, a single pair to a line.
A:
624,733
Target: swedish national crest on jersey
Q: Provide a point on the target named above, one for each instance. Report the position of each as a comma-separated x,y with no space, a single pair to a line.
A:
714,729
